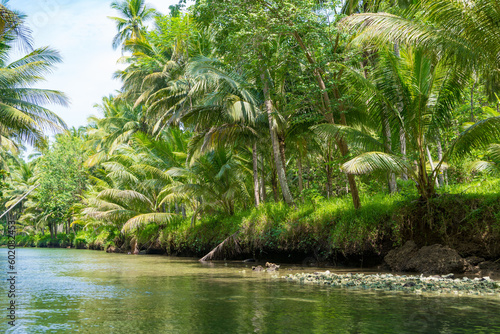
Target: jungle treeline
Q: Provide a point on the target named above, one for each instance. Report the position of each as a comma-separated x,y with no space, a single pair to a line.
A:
321,122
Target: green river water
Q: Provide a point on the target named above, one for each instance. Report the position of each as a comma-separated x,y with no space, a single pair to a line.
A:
82,291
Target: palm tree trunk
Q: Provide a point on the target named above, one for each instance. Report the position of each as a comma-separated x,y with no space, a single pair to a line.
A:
255,174
472,118
425,188
402,137
285,190
328,172
402,140
301,179
263,180
281,142
391,177
352,181
431,163
274,184
440,157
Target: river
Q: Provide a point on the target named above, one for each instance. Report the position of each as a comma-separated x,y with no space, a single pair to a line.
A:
82,291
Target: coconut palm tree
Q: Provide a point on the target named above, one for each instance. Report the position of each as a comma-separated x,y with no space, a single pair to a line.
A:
217,179
12,28
120,122
466,31
129,193
22,117
428,89
130,24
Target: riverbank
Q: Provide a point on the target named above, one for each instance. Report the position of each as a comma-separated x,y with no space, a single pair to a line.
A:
464,220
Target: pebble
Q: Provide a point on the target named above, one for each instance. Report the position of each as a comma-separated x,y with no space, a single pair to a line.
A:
414,284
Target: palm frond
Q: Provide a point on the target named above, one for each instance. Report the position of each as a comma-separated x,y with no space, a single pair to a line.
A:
160,218
372,161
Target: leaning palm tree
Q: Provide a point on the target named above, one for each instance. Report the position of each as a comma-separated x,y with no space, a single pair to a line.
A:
22,116
130,24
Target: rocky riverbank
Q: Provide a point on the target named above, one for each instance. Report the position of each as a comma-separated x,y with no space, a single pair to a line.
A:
438,259
443,284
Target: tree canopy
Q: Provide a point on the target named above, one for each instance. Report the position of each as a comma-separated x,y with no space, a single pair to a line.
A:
226,105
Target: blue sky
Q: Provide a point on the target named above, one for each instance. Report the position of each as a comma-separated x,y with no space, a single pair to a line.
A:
81,31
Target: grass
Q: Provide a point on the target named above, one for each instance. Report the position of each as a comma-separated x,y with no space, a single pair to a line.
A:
327,226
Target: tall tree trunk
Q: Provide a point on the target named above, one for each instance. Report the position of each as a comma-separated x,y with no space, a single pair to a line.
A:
287,196
352,181
329,115
472,118
391,177
329,171
281,142
301,179
263,180
255,174
274,184
402,137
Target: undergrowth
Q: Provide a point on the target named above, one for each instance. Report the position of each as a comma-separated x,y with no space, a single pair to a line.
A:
459,216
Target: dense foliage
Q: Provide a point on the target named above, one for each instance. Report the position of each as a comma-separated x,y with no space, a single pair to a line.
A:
286,106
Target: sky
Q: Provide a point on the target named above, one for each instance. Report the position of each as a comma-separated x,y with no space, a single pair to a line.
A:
82,33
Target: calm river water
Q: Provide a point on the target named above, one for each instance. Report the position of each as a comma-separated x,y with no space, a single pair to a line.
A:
82,291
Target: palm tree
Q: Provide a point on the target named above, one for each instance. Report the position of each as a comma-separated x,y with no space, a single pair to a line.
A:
23,178
466,31
130,192
226,113
149,65
120,122
22,116
428,89
130,24
491,165
216,179
12,27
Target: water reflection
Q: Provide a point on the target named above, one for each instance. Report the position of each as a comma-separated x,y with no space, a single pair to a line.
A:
64,291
